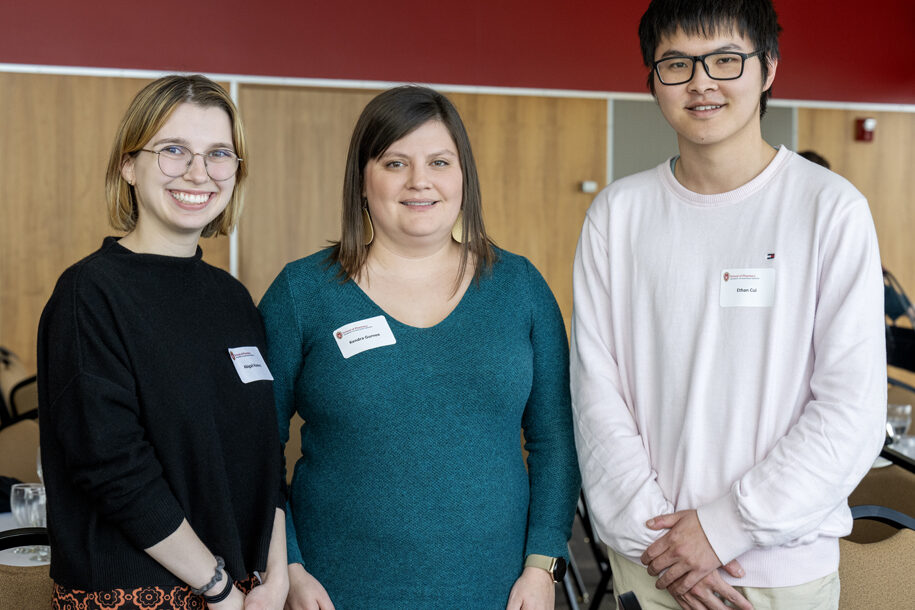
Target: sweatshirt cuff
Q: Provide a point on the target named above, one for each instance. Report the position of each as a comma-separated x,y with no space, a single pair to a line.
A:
720,520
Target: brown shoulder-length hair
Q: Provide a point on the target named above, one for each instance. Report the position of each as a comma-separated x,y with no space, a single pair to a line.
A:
148,111
390,116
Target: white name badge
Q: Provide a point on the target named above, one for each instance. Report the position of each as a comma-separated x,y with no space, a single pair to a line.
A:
747,287
357,337
250,364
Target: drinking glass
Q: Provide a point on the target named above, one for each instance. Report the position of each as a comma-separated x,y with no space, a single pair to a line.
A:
899,416
28,503
19,505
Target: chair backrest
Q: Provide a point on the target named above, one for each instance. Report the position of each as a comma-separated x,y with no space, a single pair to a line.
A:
25,586
24,536
12,372
890,486
877,574
19,451
628,601
24,398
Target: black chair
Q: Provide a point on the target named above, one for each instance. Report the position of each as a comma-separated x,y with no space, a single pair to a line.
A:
900,340
573,585
5,417
883,514
25,586
878,574
568,589
24,399
628,601
24,536
6,362
605,584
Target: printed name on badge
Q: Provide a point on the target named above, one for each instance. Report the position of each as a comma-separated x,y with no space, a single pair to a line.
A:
249,364
747,287
357,337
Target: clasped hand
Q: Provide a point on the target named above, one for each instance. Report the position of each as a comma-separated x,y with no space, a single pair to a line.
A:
687,565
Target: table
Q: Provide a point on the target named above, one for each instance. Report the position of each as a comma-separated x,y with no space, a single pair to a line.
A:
7,522
8,557
901,452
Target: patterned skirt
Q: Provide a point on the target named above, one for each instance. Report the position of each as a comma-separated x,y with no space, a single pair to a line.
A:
141,598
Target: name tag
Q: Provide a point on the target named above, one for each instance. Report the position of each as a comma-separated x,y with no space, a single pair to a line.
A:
249,364
357,337
747,287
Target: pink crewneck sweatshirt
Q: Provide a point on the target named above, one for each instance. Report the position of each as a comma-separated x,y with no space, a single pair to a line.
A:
728,356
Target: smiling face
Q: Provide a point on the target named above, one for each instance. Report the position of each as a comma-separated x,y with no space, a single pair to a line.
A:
708,112
176,209
414,189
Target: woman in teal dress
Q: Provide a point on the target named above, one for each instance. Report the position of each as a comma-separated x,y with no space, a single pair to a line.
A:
416,352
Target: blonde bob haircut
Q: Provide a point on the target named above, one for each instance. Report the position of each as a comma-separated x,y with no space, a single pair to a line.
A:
148,111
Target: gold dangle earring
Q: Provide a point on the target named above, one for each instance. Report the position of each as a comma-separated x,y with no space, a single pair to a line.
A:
457,231
368,230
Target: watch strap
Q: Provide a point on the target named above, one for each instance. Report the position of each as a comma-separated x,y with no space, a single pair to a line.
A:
545,562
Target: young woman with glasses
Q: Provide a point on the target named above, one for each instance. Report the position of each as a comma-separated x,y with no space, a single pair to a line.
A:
158,435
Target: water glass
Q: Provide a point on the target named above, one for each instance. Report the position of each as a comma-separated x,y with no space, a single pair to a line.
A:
900,417
28,503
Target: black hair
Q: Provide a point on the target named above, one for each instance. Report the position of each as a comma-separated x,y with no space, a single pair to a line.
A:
754,19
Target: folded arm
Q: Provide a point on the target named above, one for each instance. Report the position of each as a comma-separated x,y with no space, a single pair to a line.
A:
619,482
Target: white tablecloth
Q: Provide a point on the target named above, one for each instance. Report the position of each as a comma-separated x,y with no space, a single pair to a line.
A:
8,557
7,522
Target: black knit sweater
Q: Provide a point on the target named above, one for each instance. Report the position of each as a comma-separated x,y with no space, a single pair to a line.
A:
145,421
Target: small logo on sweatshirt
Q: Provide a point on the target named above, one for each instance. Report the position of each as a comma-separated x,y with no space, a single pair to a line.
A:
727,276
770,256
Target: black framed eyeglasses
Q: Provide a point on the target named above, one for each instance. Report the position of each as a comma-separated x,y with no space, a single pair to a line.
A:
720,65
174,160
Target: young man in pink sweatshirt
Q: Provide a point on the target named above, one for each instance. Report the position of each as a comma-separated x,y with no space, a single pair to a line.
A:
728,358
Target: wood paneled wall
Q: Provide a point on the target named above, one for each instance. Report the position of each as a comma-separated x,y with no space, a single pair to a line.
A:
883,170
298,140
55,136
532,154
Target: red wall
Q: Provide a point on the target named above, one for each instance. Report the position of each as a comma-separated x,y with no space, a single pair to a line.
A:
842,50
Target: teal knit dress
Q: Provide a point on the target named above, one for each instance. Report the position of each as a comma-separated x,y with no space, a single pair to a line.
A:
411,491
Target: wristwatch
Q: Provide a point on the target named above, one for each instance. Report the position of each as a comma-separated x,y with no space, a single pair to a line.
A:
556,566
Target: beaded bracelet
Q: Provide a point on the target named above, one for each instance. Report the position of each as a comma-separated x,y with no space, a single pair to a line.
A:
215,599
220,564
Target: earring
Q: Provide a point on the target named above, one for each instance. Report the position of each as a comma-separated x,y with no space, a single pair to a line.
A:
457,231
368,231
